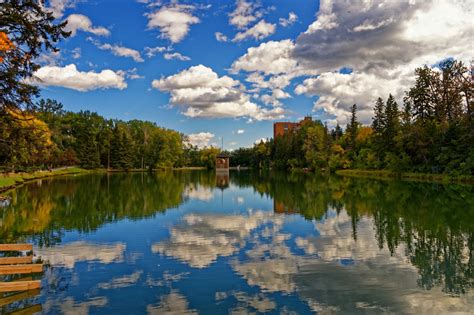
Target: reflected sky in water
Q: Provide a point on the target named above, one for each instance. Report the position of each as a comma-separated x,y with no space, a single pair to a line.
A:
197,243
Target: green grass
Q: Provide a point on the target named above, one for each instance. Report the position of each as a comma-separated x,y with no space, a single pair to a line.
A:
11,180
384,174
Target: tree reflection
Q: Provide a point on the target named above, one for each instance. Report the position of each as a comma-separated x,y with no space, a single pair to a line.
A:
435,222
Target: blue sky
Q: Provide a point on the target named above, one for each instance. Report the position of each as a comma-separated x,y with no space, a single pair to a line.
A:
282,60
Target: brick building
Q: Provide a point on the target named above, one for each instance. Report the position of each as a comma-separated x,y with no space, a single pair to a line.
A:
280,128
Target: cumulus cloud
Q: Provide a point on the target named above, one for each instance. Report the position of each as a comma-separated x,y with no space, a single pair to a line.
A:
121,51
244,14
271,66
337,92
259,31
176,56
220,37
201,139
173,21
292,18
382,42
79,22
240,131
202,93
70,77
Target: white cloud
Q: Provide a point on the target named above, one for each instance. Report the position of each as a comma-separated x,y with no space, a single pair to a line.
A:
271,66
382,42
57,7
261,140
220,37
173,21
339,91
130,74
273,57
76,53
122,51
177,56
240,131
70,77
259,31
201,139
202,93
244,14
79,22
292,18
152,51
378,36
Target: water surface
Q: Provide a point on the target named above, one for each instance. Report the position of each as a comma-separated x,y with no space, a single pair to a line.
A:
281,243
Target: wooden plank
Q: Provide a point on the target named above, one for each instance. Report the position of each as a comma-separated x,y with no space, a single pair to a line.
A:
19,296
28,310
15,247
19,269
19,285
16,260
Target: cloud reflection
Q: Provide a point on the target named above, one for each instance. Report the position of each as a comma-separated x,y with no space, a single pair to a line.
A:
173,303
200,239
71,253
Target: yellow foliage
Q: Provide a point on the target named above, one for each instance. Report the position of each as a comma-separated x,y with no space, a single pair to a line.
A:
363,134
38,128
5,44
337,149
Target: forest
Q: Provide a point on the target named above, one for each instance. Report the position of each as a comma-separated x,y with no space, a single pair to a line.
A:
432,132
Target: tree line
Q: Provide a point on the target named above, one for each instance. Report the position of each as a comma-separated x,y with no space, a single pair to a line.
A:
49,137
432,132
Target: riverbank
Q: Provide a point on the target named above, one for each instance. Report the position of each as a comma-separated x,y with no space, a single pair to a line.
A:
13,180
422,177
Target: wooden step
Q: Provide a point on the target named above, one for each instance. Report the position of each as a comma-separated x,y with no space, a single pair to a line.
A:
17,269
19,285
16,260
15,247
19,296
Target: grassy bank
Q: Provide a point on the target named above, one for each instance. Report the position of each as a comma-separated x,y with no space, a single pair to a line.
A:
425,177
13,180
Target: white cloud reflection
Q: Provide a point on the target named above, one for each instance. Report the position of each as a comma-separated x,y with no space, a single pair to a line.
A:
70,254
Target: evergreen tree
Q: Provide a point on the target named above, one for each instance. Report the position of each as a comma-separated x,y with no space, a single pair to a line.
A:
391,124
352,128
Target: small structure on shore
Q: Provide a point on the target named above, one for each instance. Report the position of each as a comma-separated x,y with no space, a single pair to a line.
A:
222,162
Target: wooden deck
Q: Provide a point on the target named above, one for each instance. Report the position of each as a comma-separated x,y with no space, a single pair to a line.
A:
20,263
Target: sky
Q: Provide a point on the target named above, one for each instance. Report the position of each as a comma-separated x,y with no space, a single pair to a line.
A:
213,69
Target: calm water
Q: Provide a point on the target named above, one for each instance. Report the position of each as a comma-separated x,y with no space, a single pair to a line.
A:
191,242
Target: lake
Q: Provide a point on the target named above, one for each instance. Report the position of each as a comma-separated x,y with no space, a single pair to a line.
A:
245,242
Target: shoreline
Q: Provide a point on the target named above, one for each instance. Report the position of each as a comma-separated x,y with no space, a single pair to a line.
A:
11,181
14,180
407,176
